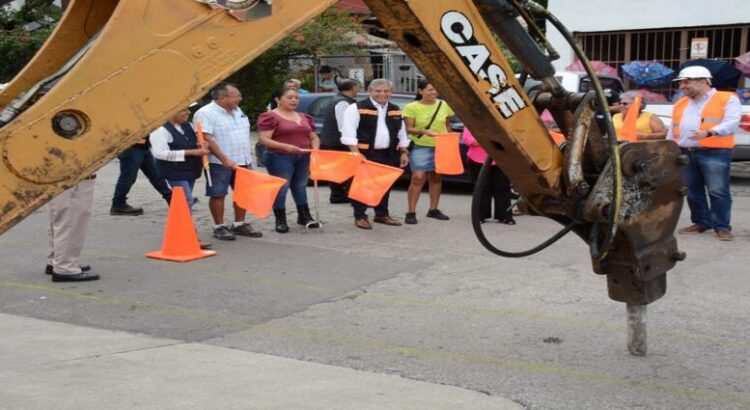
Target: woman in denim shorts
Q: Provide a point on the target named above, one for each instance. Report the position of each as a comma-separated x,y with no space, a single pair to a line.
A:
424,118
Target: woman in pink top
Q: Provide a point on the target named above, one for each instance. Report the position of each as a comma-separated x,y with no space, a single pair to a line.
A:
288,135
497,187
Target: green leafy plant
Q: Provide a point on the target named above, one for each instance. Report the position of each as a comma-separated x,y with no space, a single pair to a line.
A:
321,36
22,33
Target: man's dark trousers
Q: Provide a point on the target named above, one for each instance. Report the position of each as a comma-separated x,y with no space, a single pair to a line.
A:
339,192
131,160
386,157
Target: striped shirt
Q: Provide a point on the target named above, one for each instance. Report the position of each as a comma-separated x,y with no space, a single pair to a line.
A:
230,131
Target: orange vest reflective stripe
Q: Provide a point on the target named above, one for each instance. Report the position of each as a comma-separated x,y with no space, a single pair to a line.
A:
711,116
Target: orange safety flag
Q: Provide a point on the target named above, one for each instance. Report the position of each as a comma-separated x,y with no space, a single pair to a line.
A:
558,137
256,191
201,143
180,242
448,155
372,181
334,166
627,132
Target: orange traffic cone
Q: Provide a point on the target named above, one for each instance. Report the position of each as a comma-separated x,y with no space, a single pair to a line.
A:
372,181
256,191
334,166
180,242
447,155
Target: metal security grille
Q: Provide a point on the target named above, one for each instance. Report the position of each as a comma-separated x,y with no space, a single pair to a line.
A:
364,67
670,47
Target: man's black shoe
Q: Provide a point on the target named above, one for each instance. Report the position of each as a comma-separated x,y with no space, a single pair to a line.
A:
48,270
79,277
245,230
411,218
125,209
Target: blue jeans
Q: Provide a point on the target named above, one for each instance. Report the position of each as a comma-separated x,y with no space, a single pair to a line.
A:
187,187
131,160
295,168
708,172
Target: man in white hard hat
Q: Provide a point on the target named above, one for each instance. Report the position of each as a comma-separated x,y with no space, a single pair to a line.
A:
703,125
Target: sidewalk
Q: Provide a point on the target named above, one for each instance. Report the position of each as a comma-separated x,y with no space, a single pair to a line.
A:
55,365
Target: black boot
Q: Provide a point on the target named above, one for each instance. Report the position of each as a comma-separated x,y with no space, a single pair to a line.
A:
304,217
281,226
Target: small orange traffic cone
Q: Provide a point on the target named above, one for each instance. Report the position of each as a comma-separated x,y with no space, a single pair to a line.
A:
180,242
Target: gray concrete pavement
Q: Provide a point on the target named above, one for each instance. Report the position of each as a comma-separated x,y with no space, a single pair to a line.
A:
422,302
48,365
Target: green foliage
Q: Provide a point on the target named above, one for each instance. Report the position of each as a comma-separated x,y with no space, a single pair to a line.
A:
17,45
321,36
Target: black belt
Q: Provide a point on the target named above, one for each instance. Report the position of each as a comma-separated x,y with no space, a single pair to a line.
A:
691,149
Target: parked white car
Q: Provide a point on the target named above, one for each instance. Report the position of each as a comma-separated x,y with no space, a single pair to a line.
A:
741,136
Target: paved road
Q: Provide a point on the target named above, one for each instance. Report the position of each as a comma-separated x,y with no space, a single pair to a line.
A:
423,303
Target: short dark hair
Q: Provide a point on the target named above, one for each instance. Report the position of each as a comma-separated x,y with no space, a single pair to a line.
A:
221,90
325,69
346,84
421,85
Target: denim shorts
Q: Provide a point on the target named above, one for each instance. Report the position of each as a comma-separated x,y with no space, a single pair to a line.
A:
422,158
221,179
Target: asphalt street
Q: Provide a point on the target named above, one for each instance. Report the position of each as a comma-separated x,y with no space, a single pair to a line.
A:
422,304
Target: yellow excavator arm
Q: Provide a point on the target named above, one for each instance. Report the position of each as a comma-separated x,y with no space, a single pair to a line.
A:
114,70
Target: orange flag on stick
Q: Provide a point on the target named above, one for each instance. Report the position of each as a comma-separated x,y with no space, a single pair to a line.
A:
180,242
372,181
256,191
201,143
627,132
558,137
447,155
334,166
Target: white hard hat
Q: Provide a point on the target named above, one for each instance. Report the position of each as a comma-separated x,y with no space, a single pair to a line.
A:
695,71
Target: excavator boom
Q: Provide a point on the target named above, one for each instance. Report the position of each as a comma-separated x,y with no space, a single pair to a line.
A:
115,70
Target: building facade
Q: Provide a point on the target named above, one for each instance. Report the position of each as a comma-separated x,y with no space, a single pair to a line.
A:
664,30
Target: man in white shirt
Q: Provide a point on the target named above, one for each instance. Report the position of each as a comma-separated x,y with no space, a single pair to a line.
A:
227,131
703,125
374,127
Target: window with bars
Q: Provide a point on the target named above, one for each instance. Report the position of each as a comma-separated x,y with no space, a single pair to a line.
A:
668,46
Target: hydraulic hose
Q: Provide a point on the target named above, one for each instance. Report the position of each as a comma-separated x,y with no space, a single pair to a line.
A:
598,249
476,221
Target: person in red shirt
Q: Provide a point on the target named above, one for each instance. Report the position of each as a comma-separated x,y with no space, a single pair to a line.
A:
288,135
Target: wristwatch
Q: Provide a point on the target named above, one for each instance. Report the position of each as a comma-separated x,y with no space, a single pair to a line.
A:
712,133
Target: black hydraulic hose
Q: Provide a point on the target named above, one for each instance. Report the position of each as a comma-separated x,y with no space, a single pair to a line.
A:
597,249
476,221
